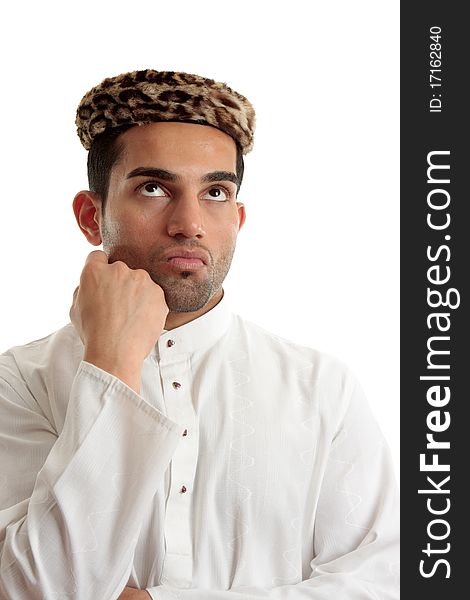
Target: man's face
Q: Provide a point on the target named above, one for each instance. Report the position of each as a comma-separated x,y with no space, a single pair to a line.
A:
171,209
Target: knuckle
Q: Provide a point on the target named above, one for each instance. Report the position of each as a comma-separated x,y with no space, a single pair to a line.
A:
142,275
159,291
120,266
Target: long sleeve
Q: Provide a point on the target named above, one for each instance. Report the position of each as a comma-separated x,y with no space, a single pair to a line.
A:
355,537
70,530
276,483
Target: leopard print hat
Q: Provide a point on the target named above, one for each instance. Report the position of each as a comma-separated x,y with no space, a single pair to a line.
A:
149,96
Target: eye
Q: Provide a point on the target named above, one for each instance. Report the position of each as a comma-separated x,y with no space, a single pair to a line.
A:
152,190
219,194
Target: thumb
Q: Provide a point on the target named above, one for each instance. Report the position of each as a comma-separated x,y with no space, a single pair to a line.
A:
97,256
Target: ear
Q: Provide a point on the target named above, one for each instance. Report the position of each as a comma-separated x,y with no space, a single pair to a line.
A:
241,214
87,210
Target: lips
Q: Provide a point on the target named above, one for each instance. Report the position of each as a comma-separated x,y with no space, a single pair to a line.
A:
180,253
188,260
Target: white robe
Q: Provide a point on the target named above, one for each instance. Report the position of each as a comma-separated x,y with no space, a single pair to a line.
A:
249,467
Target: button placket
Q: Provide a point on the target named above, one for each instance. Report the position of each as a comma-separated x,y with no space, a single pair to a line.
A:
175,373
177,389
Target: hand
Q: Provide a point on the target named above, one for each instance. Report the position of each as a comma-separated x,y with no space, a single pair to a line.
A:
119,314
133,594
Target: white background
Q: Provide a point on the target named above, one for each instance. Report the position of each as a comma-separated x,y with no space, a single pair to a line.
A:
317,260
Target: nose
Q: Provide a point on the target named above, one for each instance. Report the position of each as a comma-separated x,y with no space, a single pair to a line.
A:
186,218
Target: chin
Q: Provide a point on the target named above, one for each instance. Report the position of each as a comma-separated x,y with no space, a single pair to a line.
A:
185,299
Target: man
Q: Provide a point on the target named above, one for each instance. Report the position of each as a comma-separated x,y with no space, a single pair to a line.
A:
160,446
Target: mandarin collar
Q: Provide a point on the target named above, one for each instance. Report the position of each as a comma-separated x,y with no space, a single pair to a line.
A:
195,335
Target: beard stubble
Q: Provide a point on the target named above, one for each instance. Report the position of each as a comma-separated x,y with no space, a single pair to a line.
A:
185,291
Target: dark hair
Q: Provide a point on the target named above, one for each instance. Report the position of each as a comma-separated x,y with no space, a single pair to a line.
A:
106,151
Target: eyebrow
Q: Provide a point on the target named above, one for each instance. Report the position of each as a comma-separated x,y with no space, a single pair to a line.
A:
169,176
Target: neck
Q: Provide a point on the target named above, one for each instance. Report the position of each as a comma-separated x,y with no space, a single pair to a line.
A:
176,319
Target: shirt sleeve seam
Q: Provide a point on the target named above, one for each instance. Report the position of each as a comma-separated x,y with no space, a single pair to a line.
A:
114,383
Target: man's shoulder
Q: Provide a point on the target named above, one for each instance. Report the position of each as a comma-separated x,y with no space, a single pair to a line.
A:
57,348
33,374
295,370
269,344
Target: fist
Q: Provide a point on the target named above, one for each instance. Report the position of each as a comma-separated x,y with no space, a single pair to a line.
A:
119,314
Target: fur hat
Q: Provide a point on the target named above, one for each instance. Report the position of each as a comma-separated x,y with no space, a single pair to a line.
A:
150,96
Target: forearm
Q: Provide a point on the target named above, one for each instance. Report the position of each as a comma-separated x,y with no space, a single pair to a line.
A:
81,524
119,365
